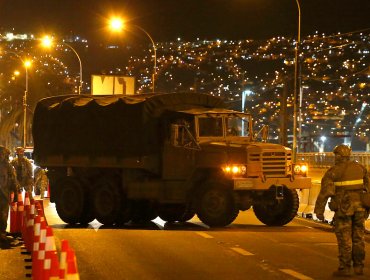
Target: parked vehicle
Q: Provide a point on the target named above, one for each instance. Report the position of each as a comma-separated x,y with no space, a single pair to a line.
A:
121,158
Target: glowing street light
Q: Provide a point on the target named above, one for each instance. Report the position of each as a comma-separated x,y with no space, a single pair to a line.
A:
116,24
47,42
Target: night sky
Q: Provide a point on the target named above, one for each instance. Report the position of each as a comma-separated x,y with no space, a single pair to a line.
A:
188,19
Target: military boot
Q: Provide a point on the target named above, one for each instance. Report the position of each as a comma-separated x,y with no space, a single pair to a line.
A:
358,270
342,272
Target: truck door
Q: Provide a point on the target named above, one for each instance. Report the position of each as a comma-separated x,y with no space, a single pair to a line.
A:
179,154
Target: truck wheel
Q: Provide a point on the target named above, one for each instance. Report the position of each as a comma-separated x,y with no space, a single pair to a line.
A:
216,207
277,212
175,212
143,211
70,202
125,212
106,202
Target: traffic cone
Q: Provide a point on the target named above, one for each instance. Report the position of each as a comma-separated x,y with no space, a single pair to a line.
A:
50,240
19,196
20,209
38,254
48,192
13,217
26,199
72,272
51,266
30,227
63,259
26,212
49,248
40,209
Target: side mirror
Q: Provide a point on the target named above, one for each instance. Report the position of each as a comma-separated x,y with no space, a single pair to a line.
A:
175,135
265,133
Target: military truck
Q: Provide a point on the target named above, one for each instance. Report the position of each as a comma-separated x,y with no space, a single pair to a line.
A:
132,158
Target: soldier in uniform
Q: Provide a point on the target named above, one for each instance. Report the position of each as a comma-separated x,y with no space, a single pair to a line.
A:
7,186
344,183
24,171
41,181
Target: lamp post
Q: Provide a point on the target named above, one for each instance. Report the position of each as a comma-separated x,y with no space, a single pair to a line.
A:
47,42
296,86
26,63
117,24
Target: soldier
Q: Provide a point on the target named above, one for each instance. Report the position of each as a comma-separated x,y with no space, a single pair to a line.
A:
24,170
7,186
344,183
41,181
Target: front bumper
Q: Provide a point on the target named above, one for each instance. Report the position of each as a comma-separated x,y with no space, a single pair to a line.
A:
259,184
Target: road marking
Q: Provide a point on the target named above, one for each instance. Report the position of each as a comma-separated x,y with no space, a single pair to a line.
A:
296,274
241,251
205,235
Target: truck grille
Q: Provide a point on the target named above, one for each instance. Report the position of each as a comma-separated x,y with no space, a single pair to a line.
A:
274,163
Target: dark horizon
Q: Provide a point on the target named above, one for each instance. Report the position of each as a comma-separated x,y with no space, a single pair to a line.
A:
188,19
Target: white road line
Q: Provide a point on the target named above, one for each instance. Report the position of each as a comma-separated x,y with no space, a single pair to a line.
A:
241,251
205,235
296,274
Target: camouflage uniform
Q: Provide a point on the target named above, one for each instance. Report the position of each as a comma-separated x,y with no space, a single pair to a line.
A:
41,181
344,183
24,171
7,186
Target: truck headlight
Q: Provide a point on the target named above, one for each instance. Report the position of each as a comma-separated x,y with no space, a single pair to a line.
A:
300,169
234,169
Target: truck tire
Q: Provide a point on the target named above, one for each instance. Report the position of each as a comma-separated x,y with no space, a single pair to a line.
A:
277,212
175,213
106,202
70,202
216,206
143,211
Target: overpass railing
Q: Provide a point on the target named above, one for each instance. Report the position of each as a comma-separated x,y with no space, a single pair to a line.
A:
326,160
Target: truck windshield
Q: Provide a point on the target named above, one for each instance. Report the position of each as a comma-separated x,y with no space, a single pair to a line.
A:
237,126
210,127
224,125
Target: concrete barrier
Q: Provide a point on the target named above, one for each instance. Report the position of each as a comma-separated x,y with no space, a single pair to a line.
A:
312,197
303,200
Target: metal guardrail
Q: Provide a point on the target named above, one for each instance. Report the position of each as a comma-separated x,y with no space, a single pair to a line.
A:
326,160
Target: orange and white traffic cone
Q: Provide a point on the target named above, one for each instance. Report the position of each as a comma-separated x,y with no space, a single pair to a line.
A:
26,212
48,192
13,217
63,259
20,210
38,254
40,209
30,227
26,199
72,271
49,248
19,196
51,266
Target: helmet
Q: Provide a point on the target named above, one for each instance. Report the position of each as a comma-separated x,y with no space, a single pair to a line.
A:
19,150
343,150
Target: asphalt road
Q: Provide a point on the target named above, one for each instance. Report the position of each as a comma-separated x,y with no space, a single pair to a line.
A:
245,250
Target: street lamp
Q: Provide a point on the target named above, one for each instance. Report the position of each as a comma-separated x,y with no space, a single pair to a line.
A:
48,42
117,24
296,86
26,63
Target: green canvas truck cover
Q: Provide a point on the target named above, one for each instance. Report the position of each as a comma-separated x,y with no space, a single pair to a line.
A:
114,125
